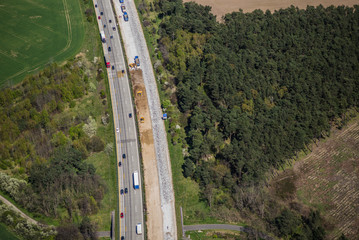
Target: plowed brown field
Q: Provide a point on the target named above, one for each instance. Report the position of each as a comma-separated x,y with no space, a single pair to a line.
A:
221,7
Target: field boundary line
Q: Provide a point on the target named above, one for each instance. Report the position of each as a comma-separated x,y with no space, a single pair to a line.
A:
69,29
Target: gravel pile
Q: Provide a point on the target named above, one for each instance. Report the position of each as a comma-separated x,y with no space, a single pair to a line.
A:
159,133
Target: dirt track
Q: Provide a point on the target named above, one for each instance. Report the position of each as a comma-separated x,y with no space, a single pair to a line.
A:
221,7
153,201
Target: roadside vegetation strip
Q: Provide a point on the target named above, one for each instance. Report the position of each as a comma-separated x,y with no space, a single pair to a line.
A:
248,230
32,37
5,201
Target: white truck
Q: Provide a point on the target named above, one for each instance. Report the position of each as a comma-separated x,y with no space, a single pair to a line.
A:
139,229
103,37
136,184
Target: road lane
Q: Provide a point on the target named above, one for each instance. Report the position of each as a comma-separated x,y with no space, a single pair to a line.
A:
130,203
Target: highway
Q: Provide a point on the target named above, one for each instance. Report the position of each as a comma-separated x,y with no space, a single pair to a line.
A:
135,45
131,203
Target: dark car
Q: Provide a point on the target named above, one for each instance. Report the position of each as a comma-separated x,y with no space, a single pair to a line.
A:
113,67
126,190
121,1
122,238
130,115
95,5
104,25
109,49
123,155
101,13
121,191
110,21
114,28
111,37
119,164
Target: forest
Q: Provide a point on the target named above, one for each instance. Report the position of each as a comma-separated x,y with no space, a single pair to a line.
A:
43,148
254,91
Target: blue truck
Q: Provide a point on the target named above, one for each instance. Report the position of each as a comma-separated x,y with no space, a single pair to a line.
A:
136,184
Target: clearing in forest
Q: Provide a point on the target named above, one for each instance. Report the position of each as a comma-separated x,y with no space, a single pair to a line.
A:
35,33
151,180
221,7
328,180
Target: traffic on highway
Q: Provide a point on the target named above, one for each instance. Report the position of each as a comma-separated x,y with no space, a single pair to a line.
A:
129,178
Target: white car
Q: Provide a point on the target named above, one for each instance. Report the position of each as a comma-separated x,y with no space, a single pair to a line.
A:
117,130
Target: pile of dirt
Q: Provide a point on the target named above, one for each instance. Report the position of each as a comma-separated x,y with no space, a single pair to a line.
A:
151,180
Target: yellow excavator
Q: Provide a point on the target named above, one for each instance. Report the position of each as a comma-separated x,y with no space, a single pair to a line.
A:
142,120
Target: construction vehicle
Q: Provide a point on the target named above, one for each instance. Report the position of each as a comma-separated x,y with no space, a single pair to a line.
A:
137,61
103,37
139,93
142,119
132,65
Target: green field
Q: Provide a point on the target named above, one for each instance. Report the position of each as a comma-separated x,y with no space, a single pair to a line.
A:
5,234
35,33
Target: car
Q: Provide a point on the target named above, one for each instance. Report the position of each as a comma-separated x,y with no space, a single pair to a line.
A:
130,115
123,8
119,164
117,130
114,28
109,49
104,25
122,238
121,1
113,67
95,5
123,155
121,191
99,17
125,16
126,190
122,215
111,36
110,21
101,13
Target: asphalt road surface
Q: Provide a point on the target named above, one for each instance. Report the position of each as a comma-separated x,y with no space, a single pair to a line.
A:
135,45
130,204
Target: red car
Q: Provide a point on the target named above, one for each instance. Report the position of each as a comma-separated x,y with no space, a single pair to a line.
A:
99,17
122,215
108,65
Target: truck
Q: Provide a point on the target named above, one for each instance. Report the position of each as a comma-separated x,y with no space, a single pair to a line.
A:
103,37
139,229
125,16
135,180
137,61
108,65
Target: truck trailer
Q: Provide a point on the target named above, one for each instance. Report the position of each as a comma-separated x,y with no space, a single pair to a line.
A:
103,37
135,180
108,65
